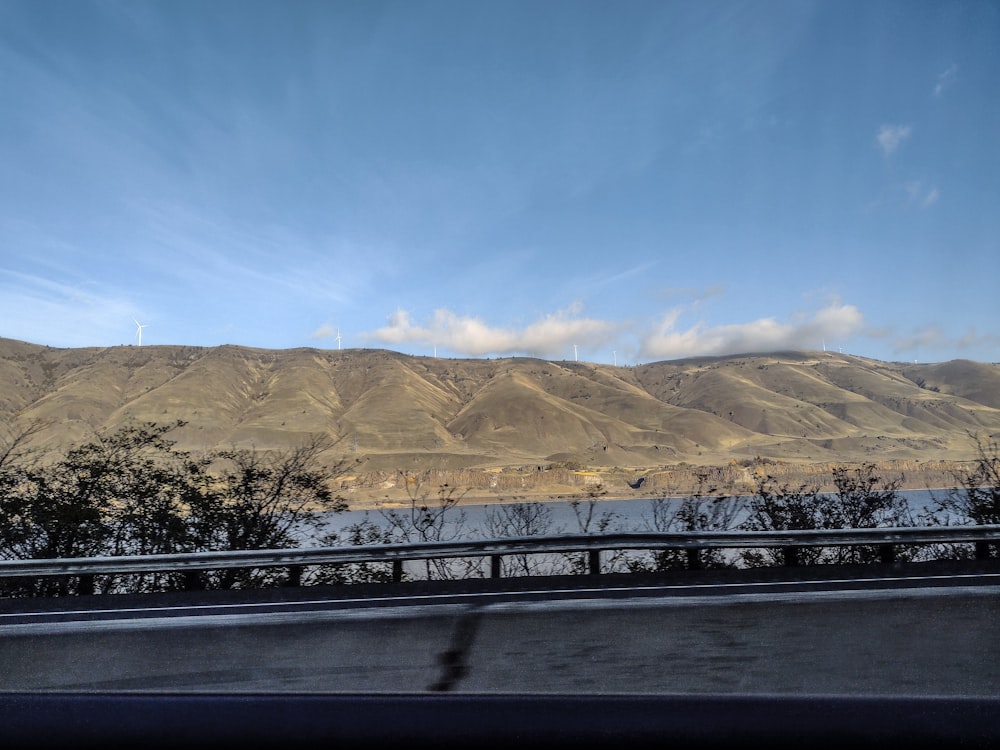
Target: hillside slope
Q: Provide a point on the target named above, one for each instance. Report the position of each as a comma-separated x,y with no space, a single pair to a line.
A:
385,411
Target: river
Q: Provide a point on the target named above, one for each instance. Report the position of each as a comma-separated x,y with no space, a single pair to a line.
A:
473,520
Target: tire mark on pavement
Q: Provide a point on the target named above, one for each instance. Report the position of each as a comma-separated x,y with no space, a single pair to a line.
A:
453,661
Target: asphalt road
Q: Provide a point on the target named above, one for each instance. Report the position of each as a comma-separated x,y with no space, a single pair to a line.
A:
922,633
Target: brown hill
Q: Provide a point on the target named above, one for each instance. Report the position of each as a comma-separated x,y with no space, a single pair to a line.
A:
492,422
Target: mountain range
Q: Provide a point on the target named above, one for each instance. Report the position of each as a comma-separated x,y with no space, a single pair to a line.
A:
384,412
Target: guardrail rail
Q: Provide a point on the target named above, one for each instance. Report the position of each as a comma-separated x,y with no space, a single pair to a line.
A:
693,543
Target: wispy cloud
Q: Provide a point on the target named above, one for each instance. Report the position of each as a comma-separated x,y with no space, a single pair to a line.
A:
922,195
219,251
890,137
639,269
973,338
325,331
63,314
466,335
945,79
696,294
707,136
933,338
804,331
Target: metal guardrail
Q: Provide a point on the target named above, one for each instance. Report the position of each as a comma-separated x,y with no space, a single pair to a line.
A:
693,543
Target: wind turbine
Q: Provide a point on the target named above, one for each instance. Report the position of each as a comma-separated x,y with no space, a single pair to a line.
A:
575,357
338,338
614,354
138,330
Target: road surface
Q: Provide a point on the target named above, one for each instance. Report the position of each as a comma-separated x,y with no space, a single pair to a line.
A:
921,633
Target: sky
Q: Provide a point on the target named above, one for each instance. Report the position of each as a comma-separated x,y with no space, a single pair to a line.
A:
618,182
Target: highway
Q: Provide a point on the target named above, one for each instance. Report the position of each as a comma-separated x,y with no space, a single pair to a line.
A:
919,632
862,656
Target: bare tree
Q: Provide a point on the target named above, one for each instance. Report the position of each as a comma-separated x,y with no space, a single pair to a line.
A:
14,440
431,520
590,521
518,520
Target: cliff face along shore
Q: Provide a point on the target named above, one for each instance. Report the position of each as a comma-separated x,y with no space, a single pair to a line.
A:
541,484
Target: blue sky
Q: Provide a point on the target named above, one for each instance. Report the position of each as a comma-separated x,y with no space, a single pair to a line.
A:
615,182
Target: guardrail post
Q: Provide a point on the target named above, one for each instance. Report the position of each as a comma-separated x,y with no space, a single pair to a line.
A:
294,575
397,571
887,553
594,561
495,566
86,587
791,556
982,550
193,580
694,558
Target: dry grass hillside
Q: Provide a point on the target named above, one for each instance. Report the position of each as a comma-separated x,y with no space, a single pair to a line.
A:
516,425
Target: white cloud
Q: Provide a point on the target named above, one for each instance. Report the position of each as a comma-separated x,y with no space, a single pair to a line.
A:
945,79
890,137
833,322
552,335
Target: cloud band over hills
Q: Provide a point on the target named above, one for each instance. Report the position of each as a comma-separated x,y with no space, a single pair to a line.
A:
557,334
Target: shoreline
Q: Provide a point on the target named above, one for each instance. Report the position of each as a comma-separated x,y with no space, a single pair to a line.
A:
362,500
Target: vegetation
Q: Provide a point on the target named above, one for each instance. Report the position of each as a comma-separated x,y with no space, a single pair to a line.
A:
862,500
133,493
364,532
590,521
974,500
703,510
522,519
427,520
